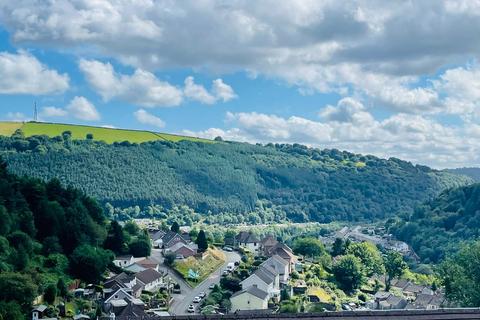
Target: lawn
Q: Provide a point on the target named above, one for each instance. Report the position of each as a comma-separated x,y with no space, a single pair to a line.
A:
212,261
79,132
9,128
320,293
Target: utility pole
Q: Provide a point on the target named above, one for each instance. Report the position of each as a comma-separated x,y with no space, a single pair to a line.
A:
35,111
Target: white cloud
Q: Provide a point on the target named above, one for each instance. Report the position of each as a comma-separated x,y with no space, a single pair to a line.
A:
223,91
17,116
141,88
350,127
197,92
144,117
22,73
220,91
48,112
81,108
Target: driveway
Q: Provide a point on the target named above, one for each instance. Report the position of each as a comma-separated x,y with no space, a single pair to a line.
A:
181,301
157,255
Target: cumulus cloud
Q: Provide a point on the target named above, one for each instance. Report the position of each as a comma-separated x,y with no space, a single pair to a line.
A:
349,126
142,88
22,73
17,116
375,48
49,112
144,117
81,108
220,91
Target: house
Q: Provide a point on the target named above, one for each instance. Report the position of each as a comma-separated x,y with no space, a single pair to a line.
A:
183,250
284,252
135,268
267,244
386,301
427,301
248,241
151,280
169,239
123,261
149,263
264,279
157,238
38,311
251,298
281,267
121,304
122,281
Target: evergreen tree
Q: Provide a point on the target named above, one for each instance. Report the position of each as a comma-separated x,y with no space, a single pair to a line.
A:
202,241
175,227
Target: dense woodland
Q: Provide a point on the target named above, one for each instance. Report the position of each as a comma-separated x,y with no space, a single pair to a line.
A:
437,228
50,235
300,183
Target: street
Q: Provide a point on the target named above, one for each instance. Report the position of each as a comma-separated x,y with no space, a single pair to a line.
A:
183,300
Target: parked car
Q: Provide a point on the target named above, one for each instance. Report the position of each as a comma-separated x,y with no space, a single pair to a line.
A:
227,248
211,286
191,308
202,294
197,299
237,263
225,273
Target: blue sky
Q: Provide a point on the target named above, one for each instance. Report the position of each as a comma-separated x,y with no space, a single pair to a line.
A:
381,78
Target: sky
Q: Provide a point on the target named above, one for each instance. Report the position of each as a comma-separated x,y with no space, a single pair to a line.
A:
388,78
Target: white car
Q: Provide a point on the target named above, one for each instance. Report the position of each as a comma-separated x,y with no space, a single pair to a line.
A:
197,299
211,286
202,294
191,308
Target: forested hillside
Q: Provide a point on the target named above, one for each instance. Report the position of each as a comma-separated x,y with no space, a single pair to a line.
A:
437,227
304,183
472,172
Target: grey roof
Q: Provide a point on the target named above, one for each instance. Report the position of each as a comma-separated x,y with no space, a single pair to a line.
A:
40,308
253,290
169,236
158,235
148,276
124,257
265,275
246,237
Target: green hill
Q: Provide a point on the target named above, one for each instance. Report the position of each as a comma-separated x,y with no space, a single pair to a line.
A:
437,227
232,182
79,132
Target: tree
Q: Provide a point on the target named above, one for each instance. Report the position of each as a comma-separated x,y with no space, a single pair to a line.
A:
348,272
461,276
394,267
18,288
169,259
175,227
115,240
202,241
50,294
89,136
140,247
62,287
370,257
10,311
89,263
310,247
231,283
338,247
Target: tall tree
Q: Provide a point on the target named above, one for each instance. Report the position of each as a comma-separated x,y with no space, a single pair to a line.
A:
310,247
370,257
394,267
175,227
202,241
461,276
348,272
115,240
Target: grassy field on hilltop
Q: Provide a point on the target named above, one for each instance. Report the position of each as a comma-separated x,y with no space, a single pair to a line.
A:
79,132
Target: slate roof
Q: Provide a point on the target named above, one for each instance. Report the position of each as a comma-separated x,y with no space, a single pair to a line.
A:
148,276
265,275
269,241
148,263
254,291
169,236
125,257
246,237
158,235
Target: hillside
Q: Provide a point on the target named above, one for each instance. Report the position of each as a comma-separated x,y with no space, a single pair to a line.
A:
437,227
226,178
79,132
472,172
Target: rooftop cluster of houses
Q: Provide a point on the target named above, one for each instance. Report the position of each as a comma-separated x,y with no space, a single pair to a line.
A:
413,296
265,283
172,242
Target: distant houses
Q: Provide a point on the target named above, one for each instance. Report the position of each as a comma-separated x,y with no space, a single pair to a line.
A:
247,240
172,242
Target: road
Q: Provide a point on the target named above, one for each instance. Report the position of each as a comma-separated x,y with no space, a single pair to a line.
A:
181,301
157,255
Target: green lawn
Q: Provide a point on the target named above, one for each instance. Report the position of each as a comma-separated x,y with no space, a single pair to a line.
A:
79,132
205,267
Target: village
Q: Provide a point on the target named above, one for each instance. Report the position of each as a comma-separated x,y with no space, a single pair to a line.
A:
247,274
